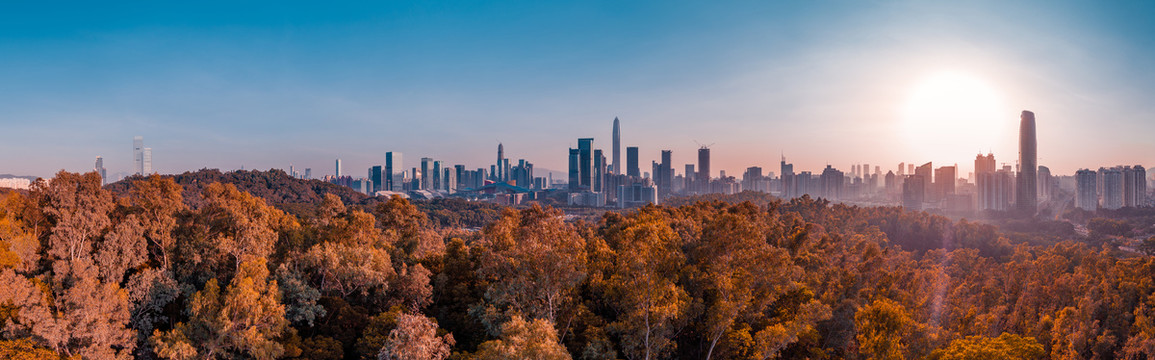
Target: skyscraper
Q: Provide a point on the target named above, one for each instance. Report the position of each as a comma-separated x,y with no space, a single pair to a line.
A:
986,182
337,171
574,171
599,170
703,170
662,175
586,162
100,170
138,155
395,171
146,161
632,168
1086,190
1027,196
617,164
499,175
426,174
789,184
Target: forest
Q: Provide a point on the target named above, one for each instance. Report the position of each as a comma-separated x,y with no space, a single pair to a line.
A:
215,267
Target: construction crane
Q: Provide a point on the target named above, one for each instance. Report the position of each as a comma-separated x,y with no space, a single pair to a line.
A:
707,146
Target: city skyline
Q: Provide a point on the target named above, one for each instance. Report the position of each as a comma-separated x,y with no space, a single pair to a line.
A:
822,85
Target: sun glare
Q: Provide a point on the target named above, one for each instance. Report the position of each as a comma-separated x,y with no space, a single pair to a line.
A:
949,112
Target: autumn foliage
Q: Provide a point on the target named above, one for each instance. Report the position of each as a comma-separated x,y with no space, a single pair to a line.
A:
197,268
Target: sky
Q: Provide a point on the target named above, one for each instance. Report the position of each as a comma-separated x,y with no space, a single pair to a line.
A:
264,85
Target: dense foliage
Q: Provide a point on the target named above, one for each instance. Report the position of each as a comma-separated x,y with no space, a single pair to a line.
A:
161,268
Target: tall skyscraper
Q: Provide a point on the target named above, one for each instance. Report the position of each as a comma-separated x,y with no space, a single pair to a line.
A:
574,169
586,162
632,168
437,182
337,171
100,170
599,170
1086,190
376,179
395,171
617,164
426,173
500,174
703,170
146,161
1134,186
1027,196
789,184
138,155
662,174
986,183
1112,188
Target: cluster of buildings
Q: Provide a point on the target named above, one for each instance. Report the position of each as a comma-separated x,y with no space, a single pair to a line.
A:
600,178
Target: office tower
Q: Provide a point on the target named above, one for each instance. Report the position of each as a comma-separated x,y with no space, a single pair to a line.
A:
1086,190
574,169
426,175
138,155
986,185
927,173
789,185
945,179
891,183
437,183
500,163
1046,183
831,183
1112,188
337,171
913,192
146,161
448,181
703,170
308,173
1027,197
586,162
599,169
688,179
910,169
459,174
394,171
617,164
752,178
632,168
662,174
375,179
99,169
901,169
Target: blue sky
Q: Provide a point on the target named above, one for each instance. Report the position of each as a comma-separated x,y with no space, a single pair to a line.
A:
268,84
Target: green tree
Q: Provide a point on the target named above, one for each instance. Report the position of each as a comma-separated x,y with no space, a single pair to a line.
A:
242,320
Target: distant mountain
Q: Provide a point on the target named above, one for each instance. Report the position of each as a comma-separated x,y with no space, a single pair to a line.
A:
275,186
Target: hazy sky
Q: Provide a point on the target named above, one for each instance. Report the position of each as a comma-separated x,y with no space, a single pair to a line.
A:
265,85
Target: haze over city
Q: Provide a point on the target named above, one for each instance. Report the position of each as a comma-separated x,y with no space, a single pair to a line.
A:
266,85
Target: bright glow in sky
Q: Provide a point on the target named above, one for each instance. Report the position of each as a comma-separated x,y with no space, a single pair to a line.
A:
265,85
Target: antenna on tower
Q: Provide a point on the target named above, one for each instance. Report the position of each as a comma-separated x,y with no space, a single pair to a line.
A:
704,146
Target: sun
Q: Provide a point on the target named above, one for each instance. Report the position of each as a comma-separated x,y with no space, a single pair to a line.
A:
949,113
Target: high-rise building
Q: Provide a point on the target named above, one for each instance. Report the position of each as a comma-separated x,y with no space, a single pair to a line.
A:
375,179
663,174
1046,183
308,173
632,168
617,164
913,192
688,179
337,171
426,175
146,161
927,173
703,180
1027,196
831,182
945,180
789,184
574,169
99,169
395,171
1134,186
986,183
438,182
599,170
500,174
1112,188
586,162
138,155
1086,192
